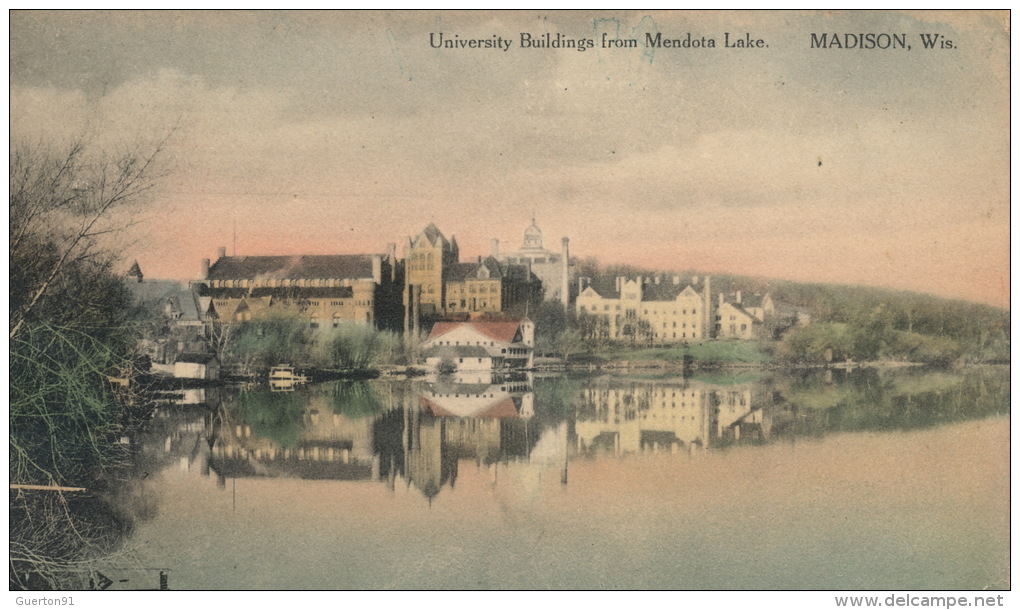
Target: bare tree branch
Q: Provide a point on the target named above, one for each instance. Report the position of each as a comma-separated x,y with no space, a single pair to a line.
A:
47,190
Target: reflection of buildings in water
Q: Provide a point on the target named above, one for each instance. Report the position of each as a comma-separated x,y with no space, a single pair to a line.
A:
420,437
455,421
327,446
172,434
451,397
631,416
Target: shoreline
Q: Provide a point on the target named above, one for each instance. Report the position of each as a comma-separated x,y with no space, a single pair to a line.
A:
162,383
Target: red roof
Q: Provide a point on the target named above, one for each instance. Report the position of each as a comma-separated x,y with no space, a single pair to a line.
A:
500,330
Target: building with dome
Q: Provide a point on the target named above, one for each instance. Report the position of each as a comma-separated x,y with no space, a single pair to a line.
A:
552,268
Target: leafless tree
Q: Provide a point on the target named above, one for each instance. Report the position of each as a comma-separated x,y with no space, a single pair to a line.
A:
62,205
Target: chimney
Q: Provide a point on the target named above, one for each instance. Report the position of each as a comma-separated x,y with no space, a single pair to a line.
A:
739,300
205,269
676,280
694,281
494,248
721,301
221,252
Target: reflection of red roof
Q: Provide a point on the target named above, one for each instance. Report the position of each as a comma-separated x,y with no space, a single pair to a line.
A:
501,409
500,330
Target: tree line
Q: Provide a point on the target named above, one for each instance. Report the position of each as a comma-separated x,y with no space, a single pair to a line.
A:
857,322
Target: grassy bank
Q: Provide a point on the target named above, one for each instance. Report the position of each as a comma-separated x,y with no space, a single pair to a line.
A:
707,352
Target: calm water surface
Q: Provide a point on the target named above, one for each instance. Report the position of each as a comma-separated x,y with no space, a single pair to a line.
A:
820,480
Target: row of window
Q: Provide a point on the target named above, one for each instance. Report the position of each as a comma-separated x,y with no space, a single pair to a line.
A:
492,287
655,312
279,282
474,304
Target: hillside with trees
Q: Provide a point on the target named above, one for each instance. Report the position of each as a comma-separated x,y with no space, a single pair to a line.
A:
862,323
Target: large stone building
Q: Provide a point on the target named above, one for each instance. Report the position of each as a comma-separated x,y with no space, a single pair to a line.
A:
646,309
437,284
428,257
663,310
553,269
326,290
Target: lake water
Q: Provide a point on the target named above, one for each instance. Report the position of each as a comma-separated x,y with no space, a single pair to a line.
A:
816,480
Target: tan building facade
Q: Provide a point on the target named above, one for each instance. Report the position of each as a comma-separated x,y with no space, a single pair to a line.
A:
325,290
737,317
428,257
438,284
645,309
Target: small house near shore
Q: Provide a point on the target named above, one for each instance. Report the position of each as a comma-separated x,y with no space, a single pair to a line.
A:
483,344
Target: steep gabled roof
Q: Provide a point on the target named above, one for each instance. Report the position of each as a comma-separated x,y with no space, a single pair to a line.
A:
605,287
666,292
753,300
306,266
152,292
506,331
433,234
135,271
186,302
740,309
460,272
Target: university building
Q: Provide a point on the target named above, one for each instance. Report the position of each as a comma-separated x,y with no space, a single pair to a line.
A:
742,317
653,309
327,290
553,269
662,310
437,284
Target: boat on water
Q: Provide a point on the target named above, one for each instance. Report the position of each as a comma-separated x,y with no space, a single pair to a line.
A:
284,373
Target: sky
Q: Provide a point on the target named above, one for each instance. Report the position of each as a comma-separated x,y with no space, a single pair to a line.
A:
318,133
